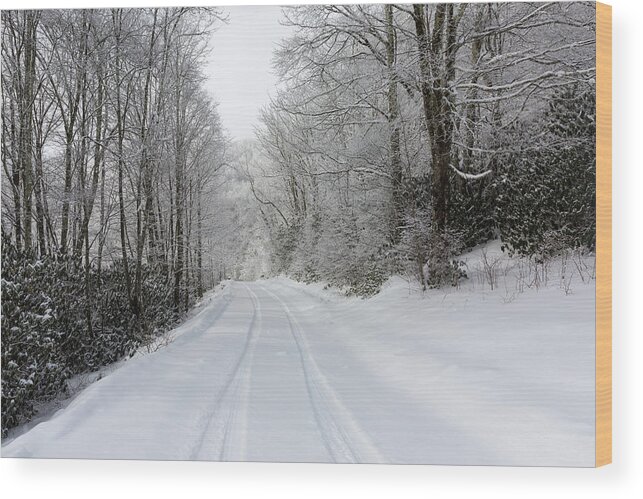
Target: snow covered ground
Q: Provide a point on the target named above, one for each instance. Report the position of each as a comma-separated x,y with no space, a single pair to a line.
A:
275,370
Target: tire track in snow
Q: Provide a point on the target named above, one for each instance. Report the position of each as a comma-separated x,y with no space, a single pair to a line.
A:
234,443
223,434
343,437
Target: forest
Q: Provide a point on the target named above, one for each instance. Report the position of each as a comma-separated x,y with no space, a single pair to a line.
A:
399,137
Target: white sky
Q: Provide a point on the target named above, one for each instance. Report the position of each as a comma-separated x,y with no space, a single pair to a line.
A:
240,65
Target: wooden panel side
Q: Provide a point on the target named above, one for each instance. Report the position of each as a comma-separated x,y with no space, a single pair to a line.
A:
603,234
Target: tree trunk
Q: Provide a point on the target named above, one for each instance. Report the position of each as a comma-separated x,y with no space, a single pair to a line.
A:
117,16
39,193
26,128
144,190
64,228
103,225
178,233
40,190
394,127
82,208
15,179
437,70
199,247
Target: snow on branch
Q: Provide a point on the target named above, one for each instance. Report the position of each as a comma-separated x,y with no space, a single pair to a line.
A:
470,176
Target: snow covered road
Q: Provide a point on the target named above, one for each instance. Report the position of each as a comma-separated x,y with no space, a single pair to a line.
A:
278,371
239,384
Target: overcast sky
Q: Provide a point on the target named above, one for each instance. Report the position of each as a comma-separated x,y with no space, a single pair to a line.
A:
240,65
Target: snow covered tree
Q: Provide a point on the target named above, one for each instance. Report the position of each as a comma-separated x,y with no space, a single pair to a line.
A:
109,146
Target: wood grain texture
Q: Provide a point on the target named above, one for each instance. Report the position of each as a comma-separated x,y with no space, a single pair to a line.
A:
603,234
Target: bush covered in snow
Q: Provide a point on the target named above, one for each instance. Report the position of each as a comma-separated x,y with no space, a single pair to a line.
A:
546,194
33,343
50,331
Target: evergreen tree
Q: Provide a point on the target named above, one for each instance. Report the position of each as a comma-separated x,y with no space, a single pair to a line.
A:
546,191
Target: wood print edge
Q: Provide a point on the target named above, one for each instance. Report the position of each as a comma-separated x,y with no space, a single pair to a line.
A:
603,234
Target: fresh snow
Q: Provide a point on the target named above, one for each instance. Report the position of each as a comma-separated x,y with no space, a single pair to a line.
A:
276,370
